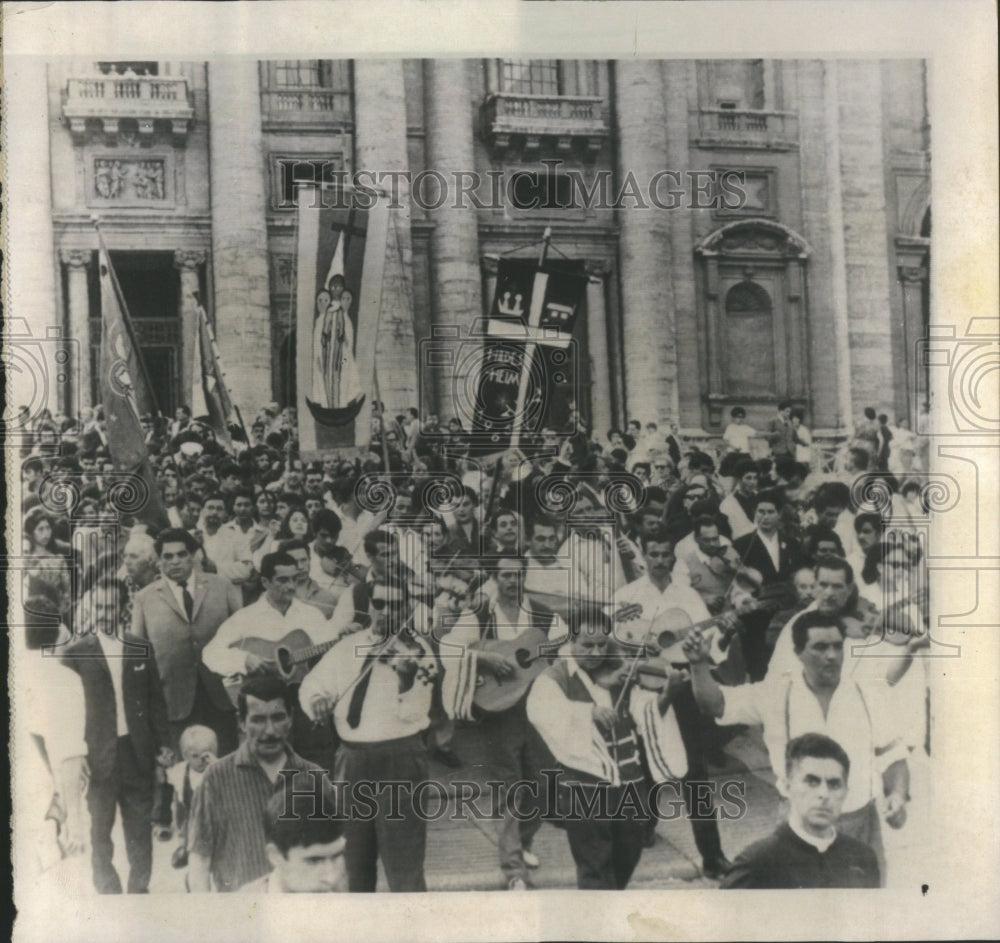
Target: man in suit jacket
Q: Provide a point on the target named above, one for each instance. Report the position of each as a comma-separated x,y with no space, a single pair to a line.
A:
781,432
776,558
463,528
126,733
180,614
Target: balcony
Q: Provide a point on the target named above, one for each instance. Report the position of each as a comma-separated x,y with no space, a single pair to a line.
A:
555,122
145,99
749,128
306,106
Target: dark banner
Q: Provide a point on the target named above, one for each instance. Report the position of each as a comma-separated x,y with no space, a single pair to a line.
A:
529,371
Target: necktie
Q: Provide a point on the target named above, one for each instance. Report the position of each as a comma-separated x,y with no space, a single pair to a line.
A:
188,600
359,692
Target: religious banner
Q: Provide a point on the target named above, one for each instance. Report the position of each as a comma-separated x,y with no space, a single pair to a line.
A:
340,256
527,378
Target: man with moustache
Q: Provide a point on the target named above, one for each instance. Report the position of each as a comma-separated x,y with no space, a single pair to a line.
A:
226,841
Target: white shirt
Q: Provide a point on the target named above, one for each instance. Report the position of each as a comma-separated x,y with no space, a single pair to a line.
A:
386,714
737,517
467,629
860,718
738,435
114,652
772,545
261,620
656,604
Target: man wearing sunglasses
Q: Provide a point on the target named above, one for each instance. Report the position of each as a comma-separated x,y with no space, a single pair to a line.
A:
377,685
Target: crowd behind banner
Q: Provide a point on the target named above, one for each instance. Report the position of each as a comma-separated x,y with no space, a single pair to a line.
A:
435,556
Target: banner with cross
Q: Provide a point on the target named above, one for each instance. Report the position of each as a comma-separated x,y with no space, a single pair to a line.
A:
528,371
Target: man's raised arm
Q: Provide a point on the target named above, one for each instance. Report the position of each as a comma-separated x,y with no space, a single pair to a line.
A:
707,693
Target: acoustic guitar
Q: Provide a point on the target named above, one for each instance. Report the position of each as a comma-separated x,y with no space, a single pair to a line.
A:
531,653
289,656
670,628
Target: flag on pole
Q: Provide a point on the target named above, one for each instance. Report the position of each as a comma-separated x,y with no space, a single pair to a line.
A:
527,373
123,390
209,394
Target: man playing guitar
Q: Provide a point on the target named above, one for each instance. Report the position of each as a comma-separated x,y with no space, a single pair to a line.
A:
271,618
513,747
667,604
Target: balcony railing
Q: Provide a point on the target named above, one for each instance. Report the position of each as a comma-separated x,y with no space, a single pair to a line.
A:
111,98
532,120
778,130
310,102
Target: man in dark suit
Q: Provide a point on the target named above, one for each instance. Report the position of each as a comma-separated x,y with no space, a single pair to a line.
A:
463,532
776,558
180,614
126,733
781,433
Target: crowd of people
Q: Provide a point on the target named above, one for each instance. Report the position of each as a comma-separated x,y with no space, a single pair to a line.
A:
289,630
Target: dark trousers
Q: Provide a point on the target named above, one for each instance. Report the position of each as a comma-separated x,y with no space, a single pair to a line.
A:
206,714
605,852
129,788
395,832
698,789
515,751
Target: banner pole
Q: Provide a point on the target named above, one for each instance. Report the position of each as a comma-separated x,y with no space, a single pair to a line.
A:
529,355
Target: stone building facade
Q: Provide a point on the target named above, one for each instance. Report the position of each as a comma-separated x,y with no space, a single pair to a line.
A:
814,287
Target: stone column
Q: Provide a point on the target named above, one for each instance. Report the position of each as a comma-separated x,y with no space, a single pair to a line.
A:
239,231
866,235
380,148
650,344
31,263
77,261
597,338
913,278
456,280
188,261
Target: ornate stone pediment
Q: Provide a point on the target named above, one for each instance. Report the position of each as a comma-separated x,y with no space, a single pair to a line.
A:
754,238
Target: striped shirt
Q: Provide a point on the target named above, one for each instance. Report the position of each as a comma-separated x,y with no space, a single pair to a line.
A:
227,815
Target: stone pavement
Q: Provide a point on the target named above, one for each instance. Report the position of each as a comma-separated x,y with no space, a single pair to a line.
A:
462,855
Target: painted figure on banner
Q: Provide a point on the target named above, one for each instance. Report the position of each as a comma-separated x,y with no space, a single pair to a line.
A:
335,380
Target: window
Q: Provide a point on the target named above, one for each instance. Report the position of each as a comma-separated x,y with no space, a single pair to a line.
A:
530,76
749,341
534,191
311,73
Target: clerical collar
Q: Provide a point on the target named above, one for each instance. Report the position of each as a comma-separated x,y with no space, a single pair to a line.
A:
820,844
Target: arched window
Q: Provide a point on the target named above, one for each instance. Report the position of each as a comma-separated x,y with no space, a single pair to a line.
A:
749,341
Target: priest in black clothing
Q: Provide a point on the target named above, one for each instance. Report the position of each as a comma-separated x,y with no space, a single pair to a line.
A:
807,851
